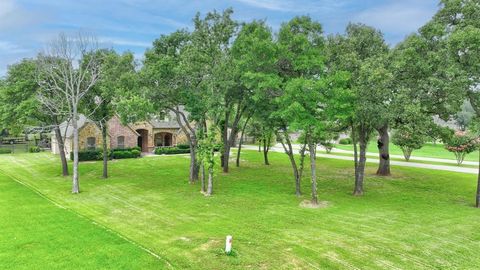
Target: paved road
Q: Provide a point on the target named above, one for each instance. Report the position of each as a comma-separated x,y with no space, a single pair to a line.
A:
278,148
440,160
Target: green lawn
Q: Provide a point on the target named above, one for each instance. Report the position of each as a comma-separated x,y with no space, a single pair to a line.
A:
428,150
417,219
37,234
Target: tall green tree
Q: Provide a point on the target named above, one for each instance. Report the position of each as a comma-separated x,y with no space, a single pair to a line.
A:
190,74
365,106
20,106
453,39
254,56
300,105
99,104
300,65
206,68
167,87
371,102
348,53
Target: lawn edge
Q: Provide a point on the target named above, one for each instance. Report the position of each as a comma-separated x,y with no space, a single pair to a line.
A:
94,222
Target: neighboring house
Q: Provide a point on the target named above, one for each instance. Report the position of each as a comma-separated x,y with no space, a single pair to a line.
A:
147,135
89,135
121,136
452,124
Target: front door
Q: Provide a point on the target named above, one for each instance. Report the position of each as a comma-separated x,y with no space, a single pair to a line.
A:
168,140
140,142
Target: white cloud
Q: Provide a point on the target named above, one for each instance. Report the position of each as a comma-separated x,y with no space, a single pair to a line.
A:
296,6
13,16
267,4
6,7
402,17
7,47
124,42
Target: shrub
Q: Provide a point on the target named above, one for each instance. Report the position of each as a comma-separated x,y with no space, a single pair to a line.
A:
34,149
345,141
461,144
408,139
88,155
5,151
328,146
217,147
127,149
121,154
136,153
170,151
183,146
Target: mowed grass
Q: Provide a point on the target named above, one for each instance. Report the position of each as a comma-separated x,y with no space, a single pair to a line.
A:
37,234
417,219
428,150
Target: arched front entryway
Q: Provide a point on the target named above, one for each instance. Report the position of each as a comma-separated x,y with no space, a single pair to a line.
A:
164,139
142,140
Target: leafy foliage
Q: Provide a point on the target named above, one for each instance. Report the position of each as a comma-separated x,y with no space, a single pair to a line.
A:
92,155
171,150
462,144
408,139
34,149
345,141
5,151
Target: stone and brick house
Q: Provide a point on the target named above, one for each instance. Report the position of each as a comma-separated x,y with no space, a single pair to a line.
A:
147,135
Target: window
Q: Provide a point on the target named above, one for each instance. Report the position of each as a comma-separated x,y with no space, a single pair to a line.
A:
121,142
91,143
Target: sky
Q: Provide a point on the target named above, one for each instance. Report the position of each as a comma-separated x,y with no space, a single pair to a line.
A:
131,25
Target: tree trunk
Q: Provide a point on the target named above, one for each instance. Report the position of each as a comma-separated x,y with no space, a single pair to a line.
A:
229,139
210,181
192,140
224,128
477,201
260,145
241,142
226,157
265,151
313,170
474,101
291,157
239,150
61,150
383,151
194,166
75,183
407,152
204,189
222,157
355,153
302,159
105,151
358,191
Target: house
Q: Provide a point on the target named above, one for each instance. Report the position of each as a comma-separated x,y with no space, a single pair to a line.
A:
159,132
146,135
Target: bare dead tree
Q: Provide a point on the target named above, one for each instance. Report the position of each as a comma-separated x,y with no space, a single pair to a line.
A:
69,68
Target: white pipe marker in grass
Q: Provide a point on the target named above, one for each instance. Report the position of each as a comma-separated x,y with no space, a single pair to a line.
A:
228,244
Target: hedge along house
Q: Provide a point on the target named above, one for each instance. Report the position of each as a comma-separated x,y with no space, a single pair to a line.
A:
146,135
